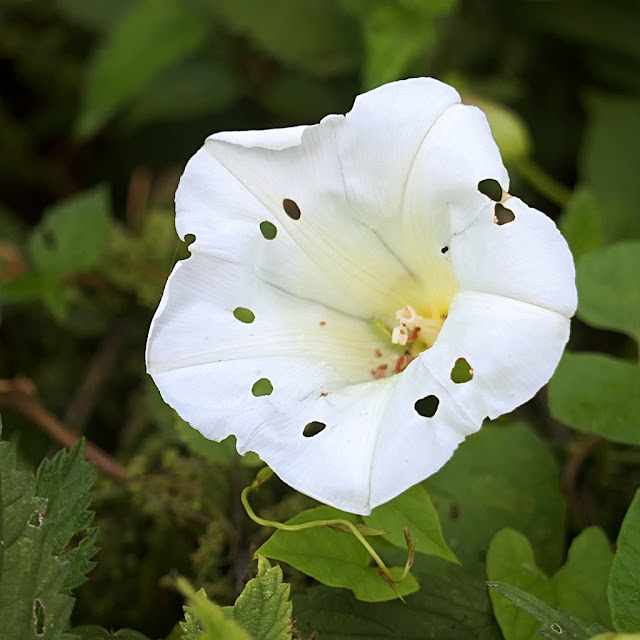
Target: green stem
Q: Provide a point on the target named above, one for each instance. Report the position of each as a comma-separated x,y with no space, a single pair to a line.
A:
547,185
265,473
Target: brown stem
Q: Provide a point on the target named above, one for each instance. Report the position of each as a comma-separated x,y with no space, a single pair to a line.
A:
571,476
17,398
101,365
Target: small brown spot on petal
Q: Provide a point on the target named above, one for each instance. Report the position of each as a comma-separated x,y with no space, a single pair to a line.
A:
291,209
380,372
322,323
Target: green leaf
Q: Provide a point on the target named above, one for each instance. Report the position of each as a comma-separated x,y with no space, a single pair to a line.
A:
92,632
71,236
582,223
578,587
263,608
556,623
150,37
396,33
333,558
617,636
450,605
609,162
608,286
502,476
192,89
624,579
38,518
414,509
315,37
206,620
597,394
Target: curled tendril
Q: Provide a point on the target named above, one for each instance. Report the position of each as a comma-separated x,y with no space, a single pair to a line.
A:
337,524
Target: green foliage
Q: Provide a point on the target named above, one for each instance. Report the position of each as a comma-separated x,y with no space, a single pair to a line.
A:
71,236
315,37
263,608
148,38
582,223
555,623
414,509
39,566
332,557
578,587
608,285
624,580
395,34
597,394
475,501
92,632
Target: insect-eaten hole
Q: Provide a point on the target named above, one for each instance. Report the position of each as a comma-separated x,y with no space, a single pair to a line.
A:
36,518
502,215
444,249
462,371
313,429
556,628
490,188
268,230
39,617
427,406
244,315
262,387
291,209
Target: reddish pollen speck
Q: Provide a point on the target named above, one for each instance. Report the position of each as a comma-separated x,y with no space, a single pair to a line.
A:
322,323
403,363
414,334
378,353
380,372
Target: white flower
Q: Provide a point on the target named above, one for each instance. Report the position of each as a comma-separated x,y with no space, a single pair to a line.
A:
356,277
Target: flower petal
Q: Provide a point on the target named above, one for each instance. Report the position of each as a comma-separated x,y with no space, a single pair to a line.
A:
512,348
526,259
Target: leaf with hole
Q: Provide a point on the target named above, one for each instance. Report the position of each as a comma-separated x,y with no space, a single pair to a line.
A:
598,394
578,587
624,579
38,517
71,236
333,558
608,287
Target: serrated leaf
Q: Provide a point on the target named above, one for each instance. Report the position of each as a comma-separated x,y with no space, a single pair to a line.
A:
556,623
624,579
148,38
598,394
414,509
474,501
608,288
578,587
263,608
333,558
71,236
212,622
38,518
582,224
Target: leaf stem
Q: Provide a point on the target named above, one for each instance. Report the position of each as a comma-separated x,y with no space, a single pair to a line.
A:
263,476
538,178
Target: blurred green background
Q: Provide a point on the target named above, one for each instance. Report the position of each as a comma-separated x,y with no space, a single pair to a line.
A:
102,104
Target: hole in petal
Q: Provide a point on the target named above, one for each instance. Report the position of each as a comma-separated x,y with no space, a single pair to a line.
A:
244,315
262,387
444,249
490,188
427,406
268,230
502,215
313,429
462,371
291,209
